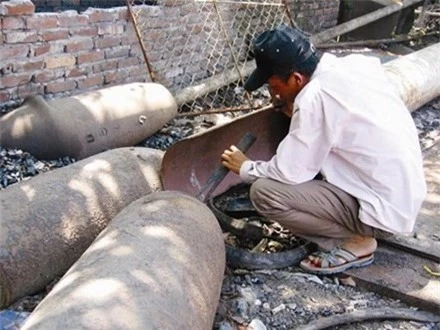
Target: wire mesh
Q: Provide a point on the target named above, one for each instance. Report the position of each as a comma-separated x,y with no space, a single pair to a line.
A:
200,49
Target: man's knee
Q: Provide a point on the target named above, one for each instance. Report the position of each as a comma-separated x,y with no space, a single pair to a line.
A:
262,197
257,190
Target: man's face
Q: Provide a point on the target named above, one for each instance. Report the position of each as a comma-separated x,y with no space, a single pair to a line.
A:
284,92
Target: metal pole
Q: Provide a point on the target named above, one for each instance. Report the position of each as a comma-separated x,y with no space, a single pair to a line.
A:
289,16
222,25
360,21
141,42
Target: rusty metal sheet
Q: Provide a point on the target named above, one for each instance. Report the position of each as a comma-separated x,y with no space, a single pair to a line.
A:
188,164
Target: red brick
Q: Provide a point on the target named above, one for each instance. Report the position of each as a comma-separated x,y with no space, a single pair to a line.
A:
100,15
76,45
105,65
187,9
42,21
17,8
130,39
135,71
133,79
30,90
13,23
60,61
15,51
107,41
90,57
40,49
43,76
91,81
83,31
57,47
122,14
21,37
169,3
4,96
58,34
131,61
15,80
60,86
117,52
69,19
28,66
78,72
115,75
110,28
153,34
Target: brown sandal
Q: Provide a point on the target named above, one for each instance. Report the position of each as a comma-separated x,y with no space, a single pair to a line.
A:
331,262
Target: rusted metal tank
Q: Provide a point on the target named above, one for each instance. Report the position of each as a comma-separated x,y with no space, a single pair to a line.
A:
159,264
48,221
86,124
416,76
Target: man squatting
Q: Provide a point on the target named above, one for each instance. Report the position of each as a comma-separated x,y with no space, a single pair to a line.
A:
348,126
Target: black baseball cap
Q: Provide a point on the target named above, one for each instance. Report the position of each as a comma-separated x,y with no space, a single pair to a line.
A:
278,51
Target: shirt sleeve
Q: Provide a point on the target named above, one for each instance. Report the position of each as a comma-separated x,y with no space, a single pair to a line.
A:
300,155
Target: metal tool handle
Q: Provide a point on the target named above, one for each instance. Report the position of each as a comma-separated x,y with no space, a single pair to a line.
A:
220,172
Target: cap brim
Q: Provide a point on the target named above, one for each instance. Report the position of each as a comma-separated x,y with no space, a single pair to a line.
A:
257,79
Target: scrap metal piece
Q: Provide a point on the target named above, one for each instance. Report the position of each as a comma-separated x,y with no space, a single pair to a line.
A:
188,164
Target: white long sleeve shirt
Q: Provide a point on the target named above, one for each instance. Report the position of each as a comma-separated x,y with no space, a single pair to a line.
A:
350,125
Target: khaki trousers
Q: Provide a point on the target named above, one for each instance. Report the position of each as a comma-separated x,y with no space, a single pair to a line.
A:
316,210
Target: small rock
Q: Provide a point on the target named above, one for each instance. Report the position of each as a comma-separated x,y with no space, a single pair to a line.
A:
278,309
225,326
256,324
348,281
248,294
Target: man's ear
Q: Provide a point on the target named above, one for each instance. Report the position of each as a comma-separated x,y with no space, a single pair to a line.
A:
300,79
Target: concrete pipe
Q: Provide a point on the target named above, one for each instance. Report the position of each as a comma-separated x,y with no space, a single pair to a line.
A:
159,264
84,125
48,221
416,76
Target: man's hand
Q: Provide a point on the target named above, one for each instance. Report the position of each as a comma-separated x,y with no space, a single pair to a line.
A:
233,158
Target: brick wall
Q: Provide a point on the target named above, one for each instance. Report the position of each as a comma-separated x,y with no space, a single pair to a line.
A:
79,5
57,54
314,15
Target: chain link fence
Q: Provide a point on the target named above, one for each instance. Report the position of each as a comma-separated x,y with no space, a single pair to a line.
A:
200,49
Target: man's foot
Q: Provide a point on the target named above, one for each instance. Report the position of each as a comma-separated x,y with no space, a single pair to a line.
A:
358,252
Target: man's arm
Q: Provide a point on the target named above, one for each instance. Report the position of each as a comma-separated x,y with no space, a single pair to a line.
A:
299,156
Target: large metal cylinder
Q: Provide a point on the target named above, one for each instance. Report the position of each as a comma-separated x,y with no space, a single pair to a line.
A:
159,264
416,76
86,124
48,221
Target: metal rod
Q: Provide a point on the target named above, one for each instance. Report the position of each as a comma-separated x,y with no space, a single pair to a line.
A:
374,42
222,26
224,110
141,41
220,172
292,22
360,21
252,3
